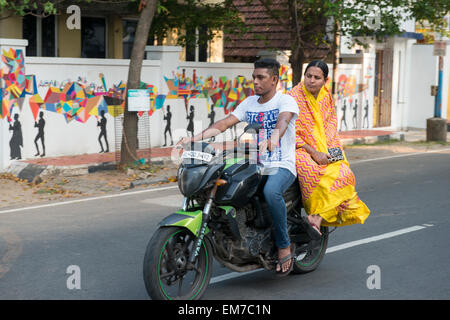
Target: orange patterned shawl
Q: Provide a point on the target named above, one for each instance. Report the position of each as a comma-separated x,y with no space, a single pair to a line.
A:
327,190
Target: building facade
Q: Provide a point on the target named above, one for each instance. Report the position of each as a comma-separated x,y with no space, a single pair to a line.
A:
65,88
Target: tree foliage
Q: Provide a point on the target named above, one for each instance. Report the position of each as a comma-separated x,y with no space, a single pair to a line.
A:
35,7
314,23
184,17
178,15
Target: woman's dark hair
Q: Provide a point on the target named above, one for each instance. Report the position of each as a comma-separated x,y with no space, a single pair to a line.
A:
319,64
270,64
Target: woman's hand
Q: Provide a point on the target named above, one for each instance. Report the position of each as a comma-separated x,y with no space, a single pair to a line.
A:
320,157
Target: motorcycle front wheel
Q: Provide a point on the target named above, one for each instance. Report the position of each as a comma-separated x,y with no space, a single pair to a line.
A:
166,272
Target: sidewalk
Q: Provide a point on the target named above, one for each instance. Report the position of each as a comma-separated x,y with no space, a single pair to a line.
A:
371,136
87,163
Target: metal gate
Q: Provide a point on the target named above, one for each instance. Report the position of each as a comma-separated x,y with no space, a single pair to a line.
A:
143,141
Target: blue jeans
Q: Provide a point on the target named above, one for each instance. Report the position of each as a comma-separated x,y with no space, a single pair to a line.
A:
275,186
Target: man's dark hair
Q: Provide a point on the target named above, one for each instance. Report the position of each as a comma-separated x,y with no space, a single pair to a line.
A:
270,64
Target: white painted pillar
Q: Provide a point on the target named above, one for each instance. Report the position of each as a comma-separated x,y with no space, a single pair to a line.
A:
368,78
170,61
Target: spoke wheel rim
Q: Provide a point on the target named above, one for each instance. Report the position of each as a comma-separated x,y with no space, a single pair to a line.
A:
175,279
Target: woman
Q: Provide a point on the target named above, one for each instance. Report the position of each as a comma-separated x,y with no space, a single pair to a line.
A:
16,140
190,117
328,186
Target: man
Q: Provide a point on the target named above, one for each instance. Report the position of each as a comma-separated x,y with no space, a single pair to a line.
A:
17,139
168,118
276,112
102,125
40,135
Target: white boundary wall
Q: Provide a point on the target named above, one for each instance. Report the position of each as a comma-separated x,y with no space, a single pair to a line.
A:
414,71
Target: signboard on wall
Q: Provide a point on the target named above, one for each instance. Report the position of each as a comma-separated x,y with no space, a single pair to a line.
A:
138,100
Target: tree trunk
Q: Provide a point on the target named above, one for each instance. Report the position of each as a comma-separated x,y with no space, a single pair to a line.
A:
130,120
296,60
297,54
335,50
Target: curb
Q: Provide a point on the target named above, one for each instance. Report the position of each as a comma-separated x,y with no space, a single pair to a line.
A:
25,171
142,182
374,139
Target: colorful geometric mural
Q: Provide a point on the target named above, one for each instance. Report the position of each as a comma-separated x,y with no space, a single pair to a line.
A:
13,75
78,100
222,93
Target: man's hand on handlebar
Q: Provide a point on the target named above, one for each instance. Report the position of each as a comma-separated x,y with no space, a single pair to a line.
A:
183,142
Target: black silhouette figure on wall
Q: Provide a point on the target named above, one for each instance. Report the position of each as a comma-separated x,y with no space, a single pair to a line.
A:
355,114
344,109
40,135
16,140
168,118
366,114
102,125
211,117
190,117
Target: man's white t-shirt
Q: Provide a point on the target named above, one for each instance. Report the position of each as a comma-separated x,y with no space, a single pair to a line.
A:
266,114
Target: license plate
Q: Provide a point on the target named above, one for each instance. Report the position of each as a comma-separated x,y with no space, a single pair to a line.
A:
203,156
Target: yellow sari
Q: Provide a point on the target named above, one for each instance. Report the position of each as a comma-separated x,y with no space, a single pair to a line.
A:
327,190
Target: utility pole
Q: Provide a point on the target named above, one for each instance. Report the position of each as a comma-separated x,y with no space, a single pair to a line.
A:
438,98
336,58
436,126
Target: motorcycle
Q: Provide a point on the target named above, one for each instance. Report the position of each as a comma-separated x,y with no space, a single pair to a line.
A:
224,215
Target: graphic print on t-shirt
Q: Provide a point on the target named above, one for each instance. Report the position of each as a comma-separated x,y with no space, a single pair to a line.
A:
268,120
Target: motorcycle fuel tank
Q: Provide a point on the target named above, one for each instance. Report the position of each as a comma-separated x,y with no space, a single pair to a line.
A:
242,183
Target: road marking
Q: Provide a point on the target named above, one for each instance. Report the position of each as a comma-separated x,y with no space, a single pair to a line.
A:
116,195
399,156
232,275
373,239
343,246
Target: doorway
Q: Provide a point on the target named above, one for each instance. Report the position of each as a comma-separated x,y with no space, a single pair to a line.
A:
383,88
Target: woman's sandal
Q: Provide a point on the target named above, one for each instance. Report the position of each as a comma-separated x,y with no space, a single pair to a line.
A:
285,259
317,228
313,230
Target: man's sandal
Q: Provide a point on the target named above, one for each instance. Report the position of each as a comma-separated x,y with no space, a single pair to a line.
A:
285,259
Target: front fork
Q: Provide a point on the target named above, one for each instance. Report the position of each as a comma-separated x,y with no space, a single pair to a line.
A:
205,219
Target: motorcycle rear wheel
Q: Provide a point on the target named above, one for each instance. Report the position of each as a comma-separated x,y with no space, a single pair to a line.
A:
309,257
166,275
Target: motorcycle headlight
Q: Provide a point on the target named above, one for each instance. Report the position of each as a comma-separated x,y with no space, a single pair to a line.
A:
189,179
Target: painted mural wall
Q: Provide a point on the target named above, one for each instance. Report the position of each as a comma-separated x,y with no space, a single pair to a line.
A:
73,106
354,97
354,102
62,106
